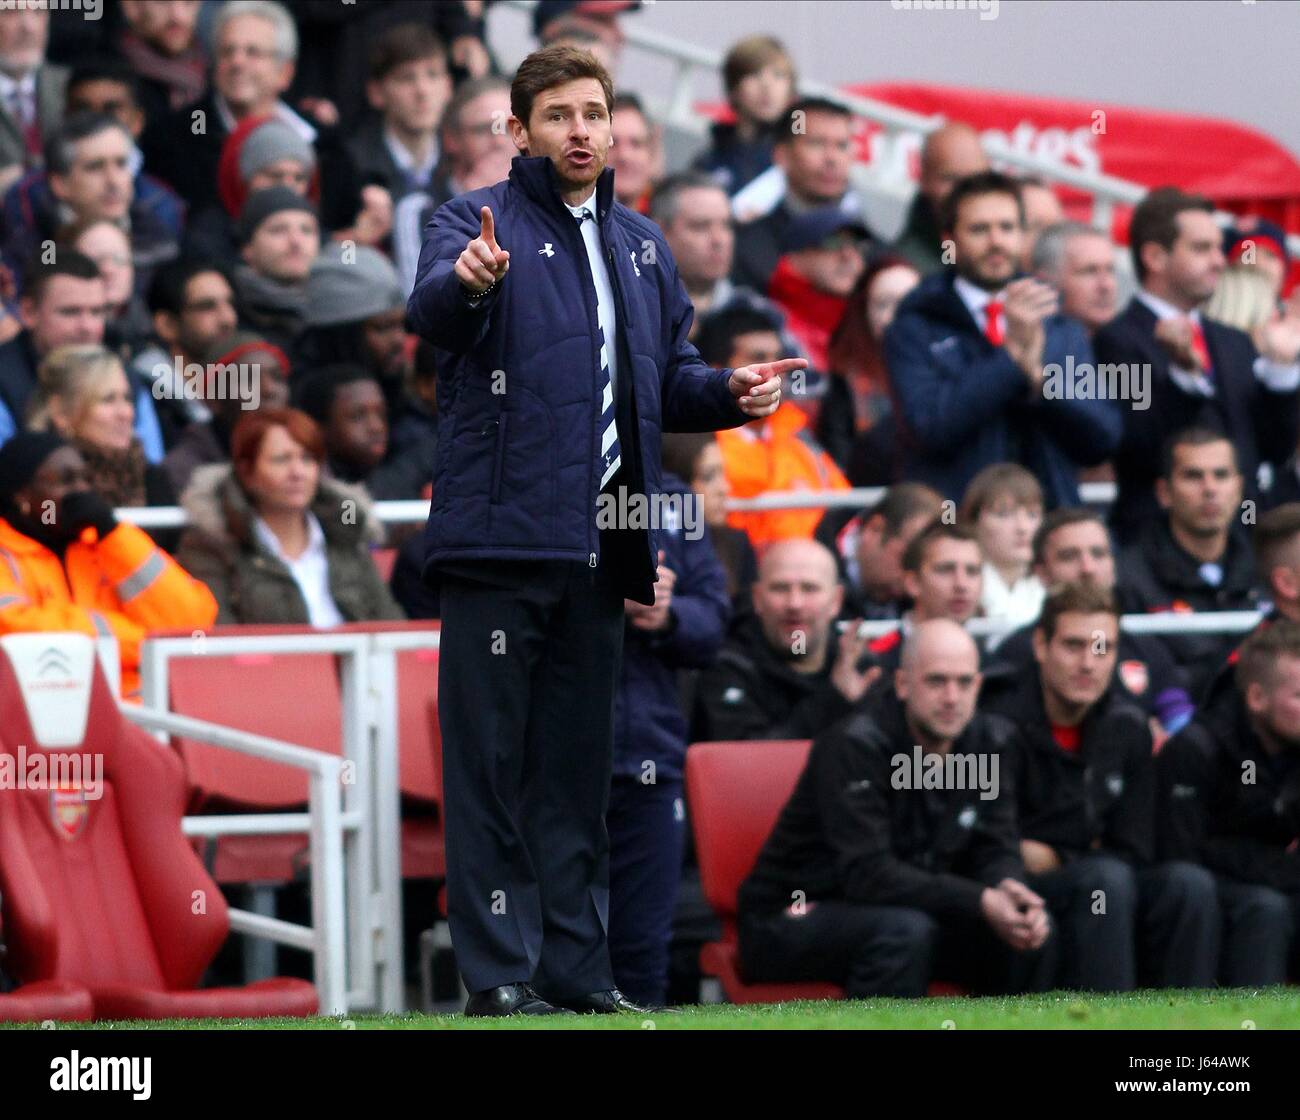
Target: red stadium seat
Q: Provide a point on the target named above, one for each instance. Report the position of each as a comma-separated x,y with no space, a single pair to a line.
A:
289,696
47,999
384,560
419,746
100,888
736,791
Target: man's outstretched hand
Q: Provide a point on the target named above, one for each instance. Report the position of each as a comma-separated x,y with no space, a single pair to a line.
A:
757,389
482,262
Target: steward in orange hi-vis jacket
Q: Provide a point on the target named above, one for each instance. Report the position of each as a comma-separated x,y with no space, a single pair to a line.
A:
67,564
778,453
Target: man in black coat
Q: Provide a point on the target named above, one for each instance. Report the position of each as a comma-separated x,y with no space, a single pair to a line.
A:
895,859
1084,780
1201,373
786,671
1073,546
1197,556
1229,797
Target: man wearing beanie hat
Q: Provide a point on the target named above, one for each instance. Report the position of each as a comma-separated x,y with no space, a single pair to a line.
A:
279,237
66,563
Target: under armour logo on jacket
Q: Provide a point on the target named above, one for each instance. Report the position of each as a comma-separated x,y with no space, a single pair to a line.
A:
546,251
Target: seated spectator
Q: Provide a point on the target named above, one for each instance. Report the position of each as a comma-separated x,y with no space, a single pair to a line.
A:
1244,299
84,395
159,44
81,570
950,153
356,315
1042,209
31,91
943,571
1084,782
262,152
1202,373
63,305
646,820
695,216
1196,556
127,326
88,177
1073,546
276,540
591,25
786,671
635,153
262,371
776,453
759,77
815,161
192,306
1245,831
870,546
968,354
1004,507
881,885
1079,262
280,238
821,260
855,422
255,49
476,152
408,89
697,458
348,404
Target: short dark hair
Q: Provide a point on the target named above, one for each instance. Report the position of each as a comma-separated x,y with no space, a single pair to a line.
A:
315,393
1074,598
665,200
1275,531
1059,519
973,186
105,70
66,262
1192,437
403,43
1155,219
60,149
681,451
169,283
785,132
1258,655
938,530
904,502
718,332
466,92
629,100
553,66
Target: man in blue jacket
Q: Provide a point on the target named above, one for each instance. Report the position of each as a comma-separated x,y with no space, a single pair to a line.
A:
553,387
982,367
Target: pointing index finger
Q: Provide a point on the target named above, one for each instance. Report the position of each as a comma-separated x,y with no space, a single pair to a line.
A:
488,228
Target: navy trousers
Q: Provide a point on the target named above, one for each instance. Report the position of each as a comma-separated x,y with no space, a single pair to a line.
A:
647,829
530,658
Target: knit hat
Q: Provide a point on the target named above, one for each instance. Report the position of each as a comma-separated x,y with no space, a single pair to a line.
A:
254,145
351,283
21,457
1260,233
263,204
229,349
812,227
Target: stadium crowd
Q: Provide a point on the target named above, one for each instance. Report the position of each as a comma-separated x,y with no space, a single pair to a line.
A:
209,228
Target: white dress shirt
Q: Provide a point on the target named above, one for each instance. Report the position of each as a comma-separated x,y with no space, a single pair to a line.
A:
419,172
310,571
25,89
1276,377
604,290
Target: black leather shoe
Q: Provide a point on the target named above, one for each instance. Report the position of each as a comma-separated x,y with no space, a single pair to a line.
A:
603,1003
511,999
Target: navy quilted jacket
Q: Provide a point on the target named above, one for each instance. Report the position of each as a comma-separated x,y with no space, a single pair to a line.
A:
519,381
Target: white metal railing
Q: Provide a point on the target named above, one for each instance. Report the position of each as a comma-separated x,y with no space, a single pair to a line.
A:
325,823
370,806
688,59
1168,622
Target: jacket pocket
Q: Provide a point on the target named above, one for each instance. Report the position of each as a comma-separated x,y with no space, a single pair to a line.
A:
499,454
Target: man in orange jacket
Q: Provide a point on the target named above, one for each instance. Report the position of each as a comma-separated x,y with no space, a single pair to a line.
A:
67,564
778,453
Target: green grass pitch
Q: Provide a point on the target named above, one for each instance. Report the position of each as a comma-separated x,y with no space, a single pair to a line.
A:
1267,1009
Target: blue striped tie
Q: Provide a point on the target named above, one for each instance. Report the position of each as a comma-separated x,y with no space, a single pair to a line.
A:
609,454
